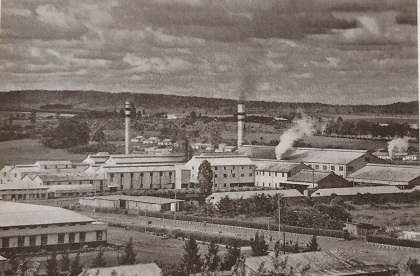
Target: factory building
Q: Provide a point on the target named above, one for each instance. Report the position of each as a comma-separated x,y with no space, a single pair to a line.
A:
229,170
27,227
272,174
403,177
144,177
291,195
340,161
142,203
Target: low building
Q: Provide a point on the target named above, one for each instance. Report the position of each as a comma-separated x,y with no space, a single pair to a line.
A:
229,170
332,263
98,158
351,192
141,203
23,191
360,229
203,146
290,195
311,179
272,174
139,159
403,177
3,264
127,270
27,227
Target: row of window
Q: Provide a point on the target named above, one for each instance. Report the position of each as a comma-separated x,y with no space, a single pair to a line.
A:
224,167
112,175
43,226
325,167
44,239
271,173
225,175
72,183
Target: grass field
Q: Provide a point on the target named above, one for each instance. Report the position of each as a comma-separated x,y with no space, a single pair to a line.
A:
403,216
28,151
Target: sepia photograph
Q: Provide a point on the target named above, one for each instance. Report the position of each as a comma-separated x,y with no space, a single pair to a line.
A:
209,138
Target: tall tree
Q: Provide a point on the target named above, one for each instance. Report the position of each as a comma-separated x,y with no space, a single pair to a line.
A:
99,260
65,262
191,259
313,244
51,266
212,258
259,246
76,266
205,177
69,133
234,252
129,256
414,266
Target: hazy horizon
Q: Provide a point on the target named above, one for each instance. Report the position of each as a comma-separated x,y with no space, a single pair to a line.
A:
334,52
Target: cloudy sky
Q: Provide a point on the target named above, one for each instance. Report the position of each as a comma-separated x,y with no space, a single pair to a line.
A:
332,51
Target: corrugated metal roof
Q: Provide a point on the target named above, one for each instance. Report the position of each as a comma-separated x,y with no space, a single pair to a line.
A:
21,214
216,197
275,166
78,187
327,156
319,263
385,173
356,190
68,176
144,199
22,186
134,169
127,270
53,162
132,159
309,176
221,160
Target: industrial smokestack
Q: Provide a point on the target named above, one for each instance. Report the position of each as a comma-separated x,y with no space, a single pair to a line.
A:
127,112
241,124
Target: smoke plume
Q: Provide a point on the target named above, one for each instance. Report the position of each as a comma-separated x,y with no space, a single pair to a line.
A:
397,145
301,128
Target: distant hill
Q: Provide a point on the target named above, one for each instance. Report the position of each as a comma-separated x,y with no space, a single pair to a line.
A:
79,101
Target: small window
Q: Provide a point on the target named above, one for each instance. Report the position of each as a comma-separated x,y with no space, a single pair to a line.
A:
224,169
317,167
161,173
21,241
151,174
215,168
99,236
340,168
32,240
333,168
250,174
192,167
324,167
6,241
225,175
44,239
242,175
60,238
72,238
215,175
82,237
233,174
275,174
269,173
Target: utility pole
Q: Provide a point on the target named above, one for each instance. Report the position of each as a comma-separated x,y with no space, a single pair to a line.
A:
284,232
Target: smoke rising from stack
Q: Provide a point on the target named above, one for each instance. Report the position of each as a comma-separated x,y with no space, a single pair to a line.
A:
301,128
397,145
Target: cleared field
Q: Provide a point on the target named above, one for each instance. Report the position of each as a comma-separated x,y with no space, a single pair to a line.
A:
27,151
346,143
402,216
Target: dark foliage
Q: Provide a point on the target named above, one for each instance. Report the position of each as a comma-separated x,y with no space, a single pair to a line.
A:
69,133
76,266
191,259
129,256
259,246
51,265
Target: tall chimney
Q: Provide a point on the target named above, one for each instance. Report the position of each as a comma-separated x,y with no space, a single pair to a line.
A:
241,124
127,112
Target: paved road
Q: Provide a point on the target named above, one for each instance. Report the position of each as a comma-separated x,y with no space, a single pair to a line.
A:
360,248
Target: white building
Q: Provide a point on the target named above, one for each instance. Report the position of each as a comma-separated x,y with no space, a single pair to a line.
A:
228,170
273,173
27,227
142,203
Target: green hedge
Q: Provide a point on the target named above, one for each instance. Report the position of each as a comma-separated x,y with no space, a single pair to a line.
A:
393,241
256,225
